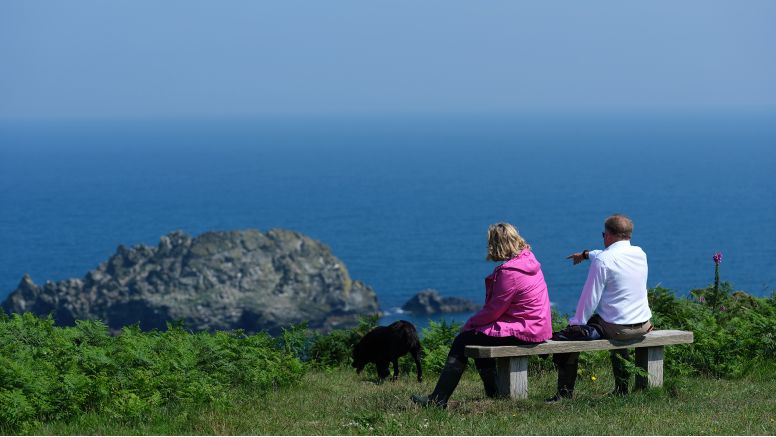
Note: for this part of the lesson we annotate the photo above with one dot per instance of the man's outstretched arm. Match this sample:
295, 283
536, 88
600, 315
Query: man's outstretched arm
581, 256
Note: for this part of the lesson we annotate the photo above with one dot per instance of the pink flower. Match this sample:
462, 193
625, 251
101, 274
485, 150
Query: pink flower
701, 299
722, 308
717, 257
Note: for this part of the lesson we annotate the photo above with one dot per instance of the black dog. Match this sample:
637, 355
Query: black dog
385, 344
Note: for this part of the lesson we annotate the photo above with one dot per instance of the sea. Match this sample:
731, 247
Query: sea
403, 200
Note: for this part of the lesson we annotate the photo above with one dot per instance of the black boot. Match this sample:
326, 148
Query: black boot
567, 365
562, 393
567, 378
448, 381
489, 380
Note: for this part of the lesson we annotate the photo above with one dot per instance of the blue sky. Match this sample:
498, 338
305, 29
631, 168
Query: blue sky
141, 58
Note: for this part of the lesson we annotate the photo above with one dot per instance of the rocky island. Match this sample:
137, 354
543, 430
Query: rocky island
216, 281
429, 301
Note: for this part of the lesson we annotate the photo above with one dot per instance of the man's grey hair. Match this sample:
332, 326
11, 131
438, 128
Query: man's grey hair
619, 225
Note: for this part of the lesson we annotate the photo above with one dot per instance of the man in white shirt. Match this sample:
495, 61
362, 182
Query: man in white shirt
613, 300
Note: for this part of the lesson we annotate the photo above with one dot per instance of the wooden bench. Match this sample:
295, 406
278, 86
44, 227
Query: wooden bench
512, 361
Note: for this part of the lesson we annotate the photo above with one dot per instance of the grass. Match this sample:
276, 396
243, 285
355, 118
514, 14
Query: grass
340, 402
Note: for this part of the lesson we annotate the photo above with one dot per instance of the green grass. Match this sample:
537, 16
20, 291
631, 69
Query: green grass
340, 402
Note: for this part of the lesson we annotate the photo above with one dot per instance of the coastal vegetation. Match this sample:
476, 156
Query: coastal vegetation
82, 380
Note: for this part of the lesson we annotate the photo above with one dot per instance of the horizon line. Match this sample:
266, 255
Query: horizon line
754, 109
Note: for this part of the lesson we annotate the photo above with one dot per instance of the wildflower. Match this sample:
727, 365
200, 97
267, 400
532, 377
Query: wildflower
702, 299
722, 308
593, 378
717, 259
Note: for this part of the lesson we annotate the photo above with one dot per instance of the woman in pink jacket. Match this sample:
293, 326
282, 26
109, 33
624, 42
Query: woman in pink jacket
516, 311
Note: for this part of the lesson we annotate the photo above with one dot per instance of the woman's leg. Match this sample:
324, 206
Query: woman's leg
450, 375
456, 364
486, 367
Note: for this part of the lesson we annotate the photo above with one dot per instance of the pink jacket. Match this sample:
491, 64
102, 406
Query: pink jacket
516, 302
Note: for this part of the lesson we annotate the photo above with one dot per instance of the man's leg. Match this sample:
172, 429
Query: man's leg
567, 365
620, 357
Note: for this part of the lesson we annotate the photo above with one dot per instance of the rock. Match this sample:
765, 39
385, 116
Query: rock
217, 281
431, 302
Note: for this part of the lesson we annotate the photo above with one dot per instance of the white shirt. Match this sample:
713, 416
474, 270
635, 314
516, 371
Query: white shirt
616, 286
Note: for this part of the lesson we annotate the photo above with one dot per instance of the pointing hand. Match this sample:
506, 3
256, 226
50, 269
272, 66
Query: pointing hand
576, 257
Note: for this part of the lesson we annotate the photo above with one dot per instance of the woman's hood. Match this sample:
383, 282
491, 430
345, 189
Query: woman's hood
526, 263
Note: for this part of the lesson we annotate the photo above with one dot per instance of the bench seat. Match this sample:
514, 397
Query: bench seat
512, 361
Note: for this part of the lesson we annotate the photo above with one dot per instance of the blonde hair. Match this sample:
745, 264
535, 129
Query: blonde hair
504, 243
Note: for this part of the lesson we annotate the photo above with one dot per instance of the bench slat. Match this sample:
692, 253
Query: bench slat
654, 338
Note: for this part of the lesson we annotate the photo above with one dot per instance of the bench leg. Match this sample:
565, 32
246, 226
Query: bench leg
513, 377
651, 360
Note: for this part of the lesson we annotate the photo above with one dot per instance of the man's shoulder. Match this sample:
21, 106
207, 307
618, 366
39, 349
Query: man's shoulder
637, 250
614, 252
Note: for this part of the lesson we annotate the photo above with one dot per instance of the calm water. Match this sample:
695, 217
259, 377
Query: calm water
405, 203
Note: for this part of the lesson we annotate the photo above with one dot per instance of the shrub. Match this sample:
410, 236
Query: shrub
50, 373
296, 341
437, 339
335, 349
733, 331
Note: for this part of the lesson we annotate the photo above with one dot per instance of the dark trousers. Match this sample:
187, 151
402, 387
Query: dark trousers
476, 338
456, 364
568, 363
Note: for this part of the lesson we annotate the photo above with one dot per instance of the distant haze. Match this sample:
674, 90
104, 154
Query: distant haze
139, 58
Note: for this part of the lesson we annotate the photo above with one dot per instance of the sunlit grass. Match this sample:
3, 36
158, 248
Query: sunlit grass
340, 402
